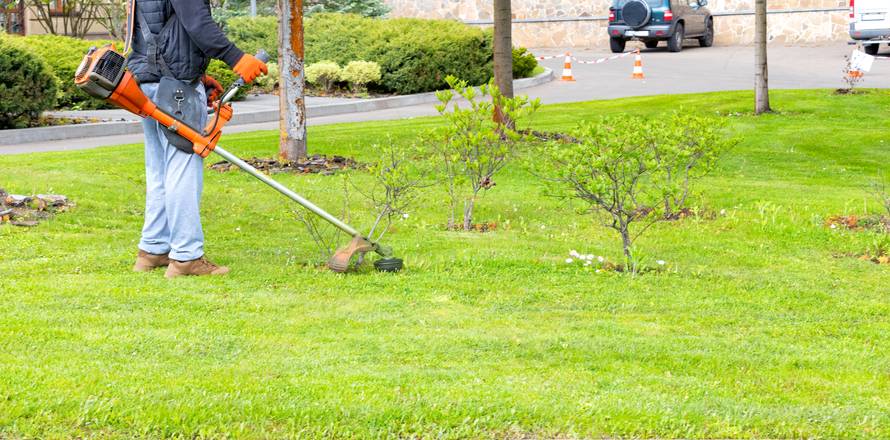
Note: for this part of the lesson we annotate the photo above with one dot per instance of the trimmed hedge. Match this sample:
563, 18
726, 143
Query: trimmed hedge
415, 55
63, 56
27, 87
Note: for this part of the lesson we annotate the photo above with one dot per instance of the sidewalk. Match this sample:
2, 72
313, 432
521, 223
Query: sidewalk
693, 70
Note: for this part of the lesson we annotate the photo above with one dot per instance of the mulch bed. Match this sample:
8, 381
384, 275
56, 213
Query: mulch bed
29, 211
316, 164
873, 222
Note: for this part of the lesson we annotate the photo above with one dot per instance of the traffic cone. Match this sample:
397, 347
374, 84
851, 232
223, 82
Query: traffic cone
567, 69
638, 66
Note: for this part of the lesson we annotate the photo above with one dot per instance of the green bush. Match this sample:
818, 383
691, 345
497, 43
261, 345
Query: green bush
27, 87
361, 73
268, 83
222, 73
323, 73
414, 55
253, 34
63, 55
524, 63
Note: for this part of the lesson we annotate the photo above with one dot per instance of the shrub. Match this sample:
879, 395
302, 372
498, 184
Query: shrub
268, 83
63, 56
475, 148
361, 73
414, 55
253, 34
630, 169
323, 73
27, 88
222, 73
524, 63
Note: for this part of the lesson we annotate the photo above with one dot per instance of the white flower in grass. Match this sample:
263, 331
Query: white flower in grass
405, 216
660, 262
598, 271
722, 212
574, 253
569, 261
600, 259
833, 226
587, 263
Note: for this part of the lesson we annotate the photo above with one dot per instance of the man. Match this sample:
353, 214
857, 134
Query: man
177, 38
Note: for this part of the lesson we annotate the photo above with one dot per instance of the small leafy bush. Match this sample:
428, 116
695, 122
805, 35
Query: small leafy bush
524, 63
360, 73
324, 73
63, 55
475, 147
27, 88
631, 170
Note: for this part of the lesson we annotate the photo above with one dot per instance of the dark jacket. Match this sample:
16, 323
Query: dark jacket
186, 35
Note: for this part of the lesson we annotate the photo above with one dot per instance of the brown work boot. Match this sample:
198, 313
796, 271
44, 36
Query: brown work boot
146, 262
339, 262
201, 266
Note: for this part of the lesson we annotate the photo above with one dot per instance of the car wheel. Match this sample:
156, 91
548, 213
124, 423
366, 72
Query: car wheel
872, 49
708, 39
675, 43
651, 44
617, 44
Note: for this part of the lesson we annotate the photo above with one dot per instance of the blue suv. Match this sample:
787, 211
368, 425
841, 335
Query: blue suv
651, 21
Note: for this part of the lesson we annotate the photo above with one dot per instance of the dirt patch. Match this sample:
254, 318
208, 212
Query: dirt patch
29, 211
317, 164
874, 222
477, 227
844, 91
548, 136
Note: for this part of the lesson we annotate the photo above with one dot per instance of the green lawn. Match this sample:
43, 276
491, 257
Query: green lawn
758, 328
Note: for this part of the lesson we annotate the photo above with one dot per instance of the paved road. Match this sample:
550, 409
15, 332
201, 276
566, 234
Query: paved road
693, 70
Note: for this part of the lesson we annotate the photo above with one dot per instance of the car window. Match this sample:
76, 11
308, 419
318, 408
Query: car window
653, 3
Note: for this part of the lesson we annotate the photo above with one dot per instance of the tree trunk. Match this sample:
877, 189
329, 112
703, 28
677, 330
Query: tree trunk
468, 213
626, 244
761, 83
503, 47
292, 145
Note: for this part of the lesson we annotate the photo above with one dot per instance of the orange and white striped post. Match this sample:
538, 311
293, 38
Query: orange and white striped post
638, 66
567, 69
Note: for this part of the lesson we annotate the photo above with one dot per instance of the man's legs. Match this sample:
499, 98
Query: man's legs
155, 231
174, 182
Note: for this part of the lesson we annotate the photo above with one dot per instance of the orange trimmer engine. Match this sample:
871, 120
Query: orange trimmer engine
102, 74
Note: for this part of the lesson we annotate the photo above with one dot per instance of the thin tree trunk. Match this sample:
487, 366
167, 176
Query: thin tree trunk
291, 99
626, 244
503, 47
468, 213
761, 77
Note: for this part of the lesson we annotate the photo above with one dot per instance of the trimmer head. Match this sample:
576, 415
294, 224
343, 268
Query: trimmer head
359, 245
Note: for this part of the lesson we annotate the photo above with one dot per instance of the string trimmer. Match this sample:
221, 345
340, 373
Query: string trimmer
103, 74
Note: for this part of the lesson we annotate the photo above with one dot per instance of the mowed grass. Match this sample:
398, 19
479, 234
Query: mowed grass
757, 329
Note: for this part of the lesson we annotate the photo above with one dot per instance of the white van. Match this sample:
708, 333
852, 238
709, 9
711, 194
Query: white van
870, 20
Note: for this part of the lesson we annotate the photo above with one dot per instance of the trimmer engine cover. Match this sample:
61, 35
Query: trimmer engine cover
100, 72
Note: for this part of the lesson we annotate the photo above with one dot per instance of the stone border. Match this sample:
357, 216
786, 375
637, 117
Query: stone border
100, 129
605, 17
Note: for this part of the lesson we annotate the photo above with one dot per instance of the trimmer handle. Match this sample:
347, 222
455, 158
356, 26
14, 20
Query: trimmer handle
260, 55
230, 92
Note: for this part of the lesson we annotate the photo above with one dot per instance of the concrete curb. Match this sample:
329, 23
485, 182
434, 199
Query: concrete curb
61, 132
